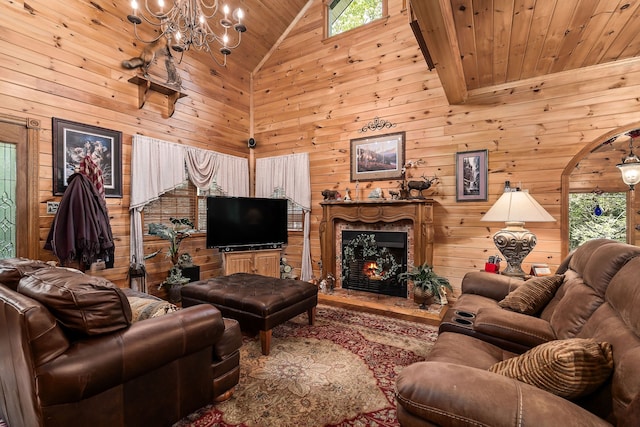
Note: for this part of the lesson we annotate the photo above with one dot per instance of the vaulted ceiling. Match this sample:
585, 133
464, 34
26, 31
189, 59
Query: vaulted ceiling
478, 44
266, 21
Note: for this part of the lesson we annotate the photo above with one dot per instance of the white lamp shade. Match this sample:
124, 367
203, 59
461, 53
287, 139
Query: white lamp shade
517, 206
630, 172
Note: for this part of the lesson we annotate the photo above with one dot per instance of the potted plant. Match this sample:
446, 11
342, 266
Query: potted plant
173, 283
428, 286
180, 229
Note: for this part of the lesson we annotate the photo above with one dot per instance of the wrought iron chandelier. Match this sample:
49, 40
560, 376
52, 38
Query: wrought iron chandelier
186, 24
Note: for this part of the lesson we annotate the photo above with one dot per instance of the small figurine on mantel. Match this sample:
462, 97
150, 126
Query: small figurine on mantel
347, 195
421, 186
376, 193
404, 187
330, 194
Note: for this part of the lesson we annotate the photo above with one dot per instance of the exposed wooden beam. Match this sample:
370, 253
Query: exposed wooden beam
436, 23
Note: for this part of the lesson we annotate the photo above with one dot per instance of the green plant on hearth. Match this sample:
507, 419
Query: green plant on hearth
180, 229
364, 247
424, 278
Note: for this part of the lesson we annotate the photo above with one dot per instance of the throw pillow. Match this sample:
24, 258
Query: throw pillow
85, 304
148, 308
14, 269
569, 368
532, 295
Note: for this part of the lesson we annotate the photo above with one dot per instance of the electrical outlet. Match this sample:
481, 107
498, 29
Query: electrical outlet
52, 207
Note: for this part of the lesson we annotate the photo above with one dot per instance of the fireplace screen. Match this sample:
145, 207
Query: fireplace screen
372, 260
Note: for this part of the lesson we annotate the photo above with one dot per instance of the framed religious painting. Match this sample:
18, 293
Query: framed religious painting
72, 142
471, 176
377, 158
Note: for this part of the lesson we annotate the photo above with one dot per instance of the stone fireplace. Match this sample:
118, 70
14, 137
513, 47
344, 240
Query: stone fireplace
411, 218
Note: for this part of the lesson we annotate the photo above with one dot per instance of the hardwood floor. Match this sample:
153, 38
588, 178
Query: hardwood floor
399, 308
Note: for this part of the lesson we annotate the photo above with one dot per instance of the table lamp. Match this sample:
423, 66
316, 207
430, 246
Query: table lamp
514, 242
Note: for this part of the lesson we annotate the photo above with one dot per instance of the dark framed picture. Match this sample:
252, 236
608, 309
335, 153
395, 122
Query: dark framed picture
471, 176
72, 142
377, 158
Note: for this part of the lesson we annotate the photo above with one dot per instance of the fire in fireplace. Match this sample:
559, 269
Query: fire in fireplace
371, 261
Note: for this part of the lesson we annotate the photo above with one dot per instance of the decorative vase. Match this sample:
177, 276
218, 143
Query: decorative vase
174, 294
422, 297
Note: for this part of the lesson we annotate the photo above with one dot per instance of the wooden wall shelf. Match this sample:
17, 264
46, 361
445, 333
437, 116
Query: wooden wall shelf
145, 85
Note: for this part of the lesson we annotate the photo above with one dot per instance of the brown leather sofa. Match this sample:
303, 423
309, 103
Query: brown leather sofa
70, 354
598, 299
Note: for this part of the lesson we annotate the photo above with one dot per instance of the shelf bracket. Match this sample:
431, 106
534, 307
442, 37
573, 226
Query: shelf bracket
145, 85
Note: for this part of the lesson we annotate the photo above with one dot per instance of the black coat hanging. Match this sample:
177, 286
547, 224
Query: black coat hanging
81, 230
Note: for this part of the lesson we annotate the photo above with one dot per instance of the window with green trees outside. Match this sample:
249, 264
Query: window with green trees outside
597, 215
345, 15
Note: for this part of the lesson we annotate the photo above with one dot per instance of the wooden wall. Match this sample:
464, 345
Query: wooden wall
63, 59
313, 95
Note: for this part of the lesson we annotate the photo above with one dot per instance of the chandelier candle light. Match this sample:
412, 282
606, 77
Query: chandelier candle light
186, 24
515, 242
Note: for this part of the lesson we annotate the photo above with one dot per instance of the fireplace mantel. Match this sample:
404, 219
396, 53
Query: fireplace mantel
419, 211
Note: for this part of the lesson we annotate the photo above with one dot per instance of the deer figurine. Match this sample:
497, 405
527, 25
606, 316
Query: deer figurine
425, 184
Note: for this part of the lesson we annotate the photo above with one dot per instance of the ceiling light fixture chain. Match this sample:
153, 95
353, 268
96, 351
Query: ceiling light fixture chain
189, 24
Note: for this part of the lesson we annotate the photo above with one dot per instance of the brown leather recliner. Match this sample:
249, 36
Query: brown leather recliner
587, 272
69, 354
598, 300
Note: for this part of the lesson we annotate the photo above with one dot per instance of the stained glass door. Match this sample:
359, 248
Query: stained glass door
8, 182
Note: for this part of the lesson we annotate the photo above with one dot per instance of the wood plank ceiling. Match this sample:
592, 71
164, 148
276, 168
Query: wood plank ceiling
266, 21
478, 44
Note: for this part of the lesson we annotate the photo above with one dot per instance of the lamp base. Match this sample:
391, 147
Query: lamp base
514, 243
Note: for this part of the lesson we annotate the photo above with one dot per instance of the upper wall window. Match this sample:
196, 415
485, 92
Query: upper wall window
345, 15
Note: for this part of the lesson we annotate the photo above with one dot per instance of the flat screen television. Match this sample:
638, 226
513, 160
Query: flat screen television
242, 223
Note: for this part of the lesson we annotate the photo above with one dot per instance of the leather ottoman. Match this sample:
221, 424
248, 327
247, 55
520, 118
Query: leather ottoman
258, 303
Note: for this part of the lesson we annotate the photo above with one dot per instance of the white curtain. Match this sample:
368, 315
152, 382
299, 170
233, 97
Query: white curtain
156, 167
291, 173
230, 173
159, 166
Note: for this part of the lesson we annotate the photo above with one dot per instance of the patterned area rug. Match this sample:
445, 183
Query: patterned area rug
340, 372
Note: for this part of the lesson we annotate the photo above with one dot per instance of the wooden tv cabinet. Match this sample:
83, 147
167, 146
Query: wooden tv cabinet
265, 262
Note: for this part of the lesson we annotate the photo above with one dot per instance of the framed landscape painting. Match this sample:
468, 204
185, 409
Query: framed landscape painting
471, 176
72, 142
377, 158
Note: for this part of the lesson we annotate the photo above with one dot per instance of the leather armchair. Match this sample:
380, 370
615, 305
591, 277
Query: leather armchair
70, 356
